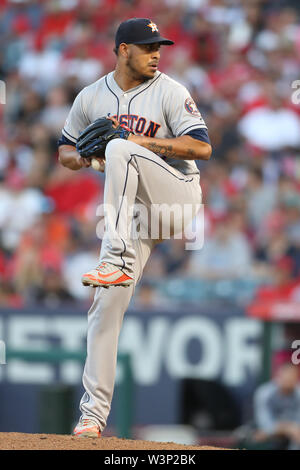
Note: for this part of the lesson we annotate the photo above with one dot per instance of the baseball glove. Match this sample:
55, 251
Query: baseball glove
94, 139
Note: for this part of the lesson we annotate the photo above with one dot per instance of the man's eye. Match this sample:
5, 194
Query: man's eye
151, 48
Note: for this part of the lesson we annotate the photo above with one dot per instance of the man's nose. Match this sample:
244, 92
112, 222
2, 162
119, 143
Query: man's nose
156, 54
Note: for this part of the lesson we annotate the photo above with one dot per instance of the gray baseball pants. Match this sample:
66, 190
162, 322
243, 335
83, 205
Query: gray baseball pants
133, 176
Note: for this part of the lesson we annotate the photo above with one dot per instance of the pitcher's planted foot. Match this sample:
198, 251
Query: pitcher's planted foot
86, 428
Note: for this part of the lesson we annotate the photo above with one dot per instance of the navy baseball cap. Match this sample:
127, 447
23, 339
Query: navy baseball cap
139, 31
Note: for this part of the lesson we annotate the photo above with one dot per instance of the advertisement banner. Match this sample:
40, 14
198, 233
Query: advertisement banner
209, 343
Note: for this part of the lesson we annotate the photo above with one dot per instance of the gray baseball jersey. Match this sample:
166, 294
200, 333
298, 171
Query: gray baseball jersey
160, 107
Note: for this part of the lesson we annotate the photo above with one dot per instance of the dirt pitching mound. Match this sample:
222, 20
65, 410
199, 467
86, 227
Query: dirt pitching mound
19, 441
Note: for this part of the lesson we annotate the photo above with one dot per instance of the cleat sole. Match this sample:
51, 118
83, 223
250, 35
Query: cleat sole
89, 435
94, 285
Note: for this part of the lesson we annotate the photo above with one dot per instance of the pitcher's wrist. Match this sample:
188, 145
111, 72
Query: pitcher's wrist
137, 139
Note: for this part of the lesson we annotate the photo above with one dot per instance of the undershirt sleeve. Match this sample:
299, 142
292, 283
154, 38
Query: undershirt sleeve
64, 141
199, 134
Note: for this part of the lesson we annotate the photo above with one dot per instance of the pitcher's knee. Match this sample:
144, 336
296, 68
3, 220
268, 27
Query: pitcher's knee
116, 147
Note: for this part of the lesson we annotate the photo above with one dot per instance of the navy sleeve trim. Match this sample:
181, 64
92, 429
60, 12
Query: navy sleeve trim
69, 135
64, 141
194, 126
200, 134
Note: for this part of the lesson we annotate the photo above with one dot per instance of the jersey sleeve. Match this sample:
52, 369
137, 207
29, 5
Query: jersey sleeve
182, 113
77, 119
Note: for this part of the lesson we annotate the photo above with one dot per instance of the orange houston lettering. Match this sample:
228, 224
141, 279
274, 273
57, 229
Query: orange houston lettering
123, 119
140, 123
152, 129
140, 126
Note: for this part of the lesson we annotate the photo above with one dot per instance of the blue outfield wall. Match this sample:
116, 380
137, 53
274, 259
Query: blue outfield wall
213, 342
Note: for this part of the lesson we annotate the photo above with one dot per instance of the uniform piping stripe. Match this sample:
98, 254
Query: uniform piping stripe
142, 91
188, 128
64, 130
114, 95
119, 211
123, 253
156, 163
125, 184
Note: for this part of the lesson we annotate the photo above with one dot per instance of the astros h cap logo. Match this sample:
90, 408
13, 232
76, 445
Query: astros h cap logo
139, 31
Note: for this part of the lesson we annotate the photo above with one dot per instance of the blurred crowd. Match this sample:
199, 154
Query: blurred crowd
240, 61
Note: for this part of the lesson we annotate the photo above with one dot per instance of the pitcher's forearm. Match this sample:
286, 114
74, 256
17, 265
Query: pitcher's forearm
70, 158
182, 148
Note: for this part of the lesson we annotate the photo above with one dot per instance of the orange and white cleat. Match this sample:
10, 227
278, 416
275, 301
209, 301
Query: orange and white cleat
106, 275
86, 428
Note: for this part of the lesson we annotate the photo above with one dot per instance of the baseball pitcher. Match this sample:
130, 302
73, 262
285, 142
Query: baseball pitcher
144, 130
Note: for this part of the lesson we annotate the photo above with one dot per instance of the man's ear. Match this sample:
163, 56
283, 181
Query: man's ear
124, 50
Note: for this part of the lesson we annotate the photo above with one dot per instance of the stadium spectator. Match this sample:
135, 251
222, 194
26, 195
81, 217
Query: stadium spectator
261, 198
272, 127
52, 292
277, 410
225, 255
